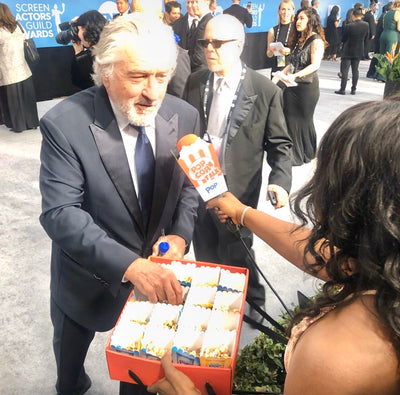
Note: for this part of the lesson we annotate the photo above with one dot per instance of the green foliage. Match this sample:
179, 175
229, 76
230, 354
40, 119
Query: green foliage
388, 66
259, 366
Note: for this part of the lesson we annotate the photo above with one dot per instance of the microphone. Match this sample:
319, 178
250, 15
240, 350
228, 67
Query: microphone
200, 163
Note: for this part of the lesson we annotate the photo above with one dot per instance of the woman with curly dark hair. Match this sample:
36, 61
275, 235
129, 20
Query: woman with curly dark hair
348, 342
307, 43
90, 25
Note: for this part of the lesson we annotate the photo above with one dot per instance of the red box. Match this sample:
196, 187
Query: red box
149, 371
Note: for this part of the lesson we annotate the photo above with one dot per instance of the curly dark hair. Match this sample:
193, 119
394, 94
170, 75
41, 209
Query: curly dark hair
353, 203
313, 26
94, 23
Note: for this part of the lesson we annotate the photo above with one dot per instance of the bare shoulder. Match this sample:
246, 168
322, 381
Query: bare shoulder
348, 351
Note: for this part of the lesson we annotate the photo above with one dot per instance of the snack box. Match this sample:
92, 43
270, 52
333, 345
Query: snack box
150, 370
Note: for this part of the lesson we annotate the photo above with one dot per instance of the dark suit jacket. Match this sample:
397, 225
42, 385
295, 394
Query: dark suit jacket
354, 37
240, 13
177, 83
89, 204
370, 19
257, 125
197, 53
181, 28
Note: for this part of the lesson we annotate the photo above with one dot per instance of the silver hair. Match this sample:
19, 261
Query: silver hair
152, 42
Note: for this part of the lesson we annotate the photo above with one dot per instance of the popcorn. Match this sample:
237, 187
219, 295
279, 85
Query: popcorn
217, 348
206, 276
231, 281
165, 316
201, 296
194, 317
226, 300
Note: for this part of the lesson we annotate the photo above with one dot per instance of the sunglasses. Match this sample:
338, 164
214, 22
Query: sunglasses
216, 44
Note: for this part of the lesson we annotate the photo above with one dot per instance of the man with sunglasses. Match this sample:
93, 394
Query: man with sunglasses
243, 117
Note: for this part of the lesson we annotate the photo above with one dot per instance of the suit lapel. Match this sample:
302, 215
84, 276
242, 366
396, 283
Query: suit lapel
112, 152
244, 104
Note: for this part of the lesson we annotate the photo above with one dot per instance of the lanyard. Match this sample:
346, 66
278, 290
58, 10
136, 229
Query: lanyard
235, 96
287, 34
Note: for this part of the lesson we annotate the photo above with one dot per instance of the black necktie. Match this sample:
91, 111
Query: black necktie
144, 164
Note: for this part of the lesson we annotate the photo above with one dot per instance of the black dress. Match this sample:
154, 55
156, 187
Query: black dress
332, 36
281, 34
19, 111
299, 105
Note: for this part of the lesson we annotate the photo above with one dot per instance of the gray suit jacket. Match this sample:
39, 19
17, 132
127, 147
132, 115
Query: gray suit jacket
257, 125
89, 204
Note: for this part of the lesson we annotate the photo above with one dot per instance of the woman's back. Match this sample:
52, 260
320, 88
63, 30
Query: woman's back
13, 67
348, 351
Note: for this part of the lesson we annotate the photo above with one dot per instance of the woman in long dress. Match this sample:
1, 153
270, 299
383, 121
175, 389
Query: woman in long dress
332, 34
307, 43
391, 29
17, 93
281, 33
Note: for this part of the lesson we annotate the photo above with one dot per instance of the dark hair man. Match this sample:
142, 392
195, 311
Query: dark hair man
90, 25
172, 12
354, 38
241, 13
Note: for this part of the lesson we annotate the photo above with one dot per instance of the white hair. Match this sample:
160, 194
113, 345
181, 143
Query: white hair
152, 42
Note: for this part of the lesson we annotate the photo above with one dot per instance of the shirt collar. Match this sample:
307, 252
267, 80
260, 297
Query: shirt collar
231, 79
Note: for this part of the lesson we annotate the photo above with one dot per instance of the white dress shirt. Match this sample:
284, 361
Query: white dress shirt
129, 137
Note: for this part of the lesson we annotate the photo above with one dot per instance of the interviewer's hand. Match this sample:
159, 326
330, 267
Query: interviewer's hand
176, 249
154, 281
227, 206
175, 382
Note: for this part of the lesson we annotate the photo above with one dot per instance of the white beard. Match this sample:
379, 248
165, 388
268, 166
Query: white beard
129, 111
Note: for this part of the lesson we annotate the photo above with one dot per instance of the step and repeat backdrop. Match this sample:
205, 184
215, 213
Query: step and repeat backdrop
41, 19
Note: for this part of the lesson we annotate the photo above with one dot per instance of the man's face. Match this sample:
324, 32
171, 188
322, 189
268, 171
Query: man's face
221, 60
122, 6
136, 91
192, 7
174, 14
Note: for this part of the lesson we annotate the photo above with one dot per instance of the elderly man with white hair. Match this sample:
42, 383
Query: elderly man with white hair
110, 189
241, 111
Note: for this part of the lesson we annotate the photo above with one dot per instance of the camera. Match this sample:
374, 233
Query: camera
69, 32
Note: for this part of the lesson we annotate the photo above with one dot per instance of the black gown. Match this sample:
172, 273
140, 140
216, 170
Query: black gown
281, 34
299, 104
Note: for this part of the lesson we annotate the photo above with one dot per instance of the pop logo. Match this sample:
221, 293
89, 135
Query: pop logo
204, 170
211, 187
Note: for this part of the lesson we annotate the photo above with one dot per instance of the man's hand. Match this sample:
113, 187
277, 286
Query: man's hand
78, 47
154, 281
281, 195
175, 382
176, 249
